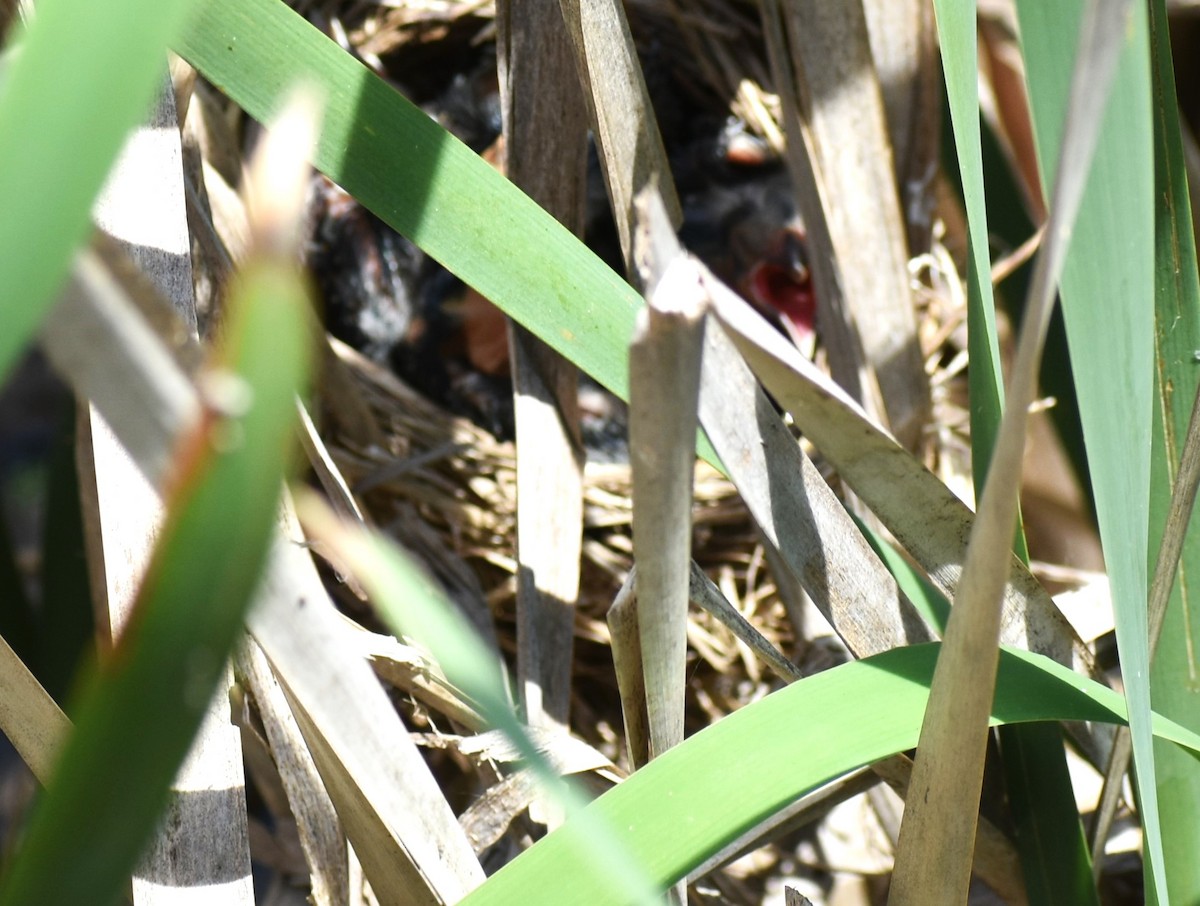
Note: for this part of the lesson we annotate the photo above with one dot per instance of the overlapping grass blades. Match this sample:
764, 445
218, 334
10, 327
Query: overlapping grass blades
1107, 298
1048, 831
136, 717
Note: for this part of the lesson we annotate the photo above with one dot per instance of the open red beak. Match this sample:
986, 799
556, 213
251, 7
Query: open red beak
781, 284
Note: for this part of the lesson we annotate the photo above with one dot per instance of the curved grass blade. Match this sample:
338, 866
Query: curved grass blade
692, 800
136, 720
63, 126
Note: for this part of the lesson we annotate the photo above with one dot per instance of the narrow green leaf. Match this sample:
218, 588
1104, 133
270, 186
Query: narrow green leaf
957, 38
1107, 298
1177, 338
1054, 854
1048, 831
62, 127
136, 719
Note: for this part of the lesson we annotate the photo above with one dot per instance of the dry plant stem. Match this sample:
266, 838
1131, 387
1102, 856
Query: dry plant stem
393, 811
122, 515
1183, 502
933, 857
937, 838
841, 103
704, 593
631, 148
321, 835
789, 499
326, 470
549, 525
90, 337
29, 718
835, 320
627, 651
631, 680
664, 366
545, 131
995, 860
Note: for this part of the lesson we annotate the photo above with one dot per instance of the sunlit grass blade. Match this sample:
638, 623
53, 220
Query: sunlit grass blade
136, 718
704, 793
63, 126
1111, 336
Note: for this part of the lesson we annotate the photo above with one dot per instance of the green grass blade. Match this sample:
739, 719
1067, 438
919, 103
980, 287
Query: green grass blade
957, 37
1050, 839
135, 721
1177, 334
1048, 831
1107, 298
930, 603
86, 73
725, 779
